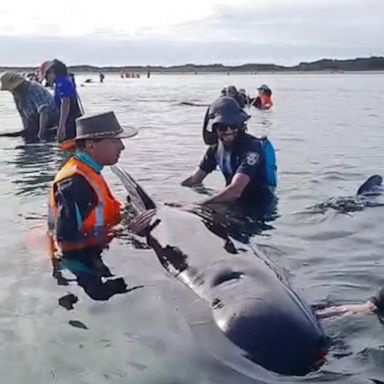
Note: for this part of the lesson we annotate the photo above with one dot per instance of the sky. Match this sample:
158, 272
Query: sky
173, 32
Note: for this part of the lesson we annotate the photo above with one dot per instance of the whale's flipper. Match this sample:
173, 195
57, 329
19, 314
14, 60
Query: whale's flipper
138, 198
370, 184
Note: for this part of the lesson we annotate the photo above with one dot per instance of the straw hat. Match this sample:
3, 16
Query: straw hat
10, 81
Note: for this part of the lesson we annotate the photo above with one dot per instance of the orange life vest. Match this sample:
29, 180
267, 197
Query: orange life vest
266, 101
101, 219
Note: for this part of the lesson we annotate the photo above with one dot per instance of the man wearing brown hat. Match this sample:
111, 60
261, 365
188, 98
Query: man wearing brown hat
34, 103
82, 209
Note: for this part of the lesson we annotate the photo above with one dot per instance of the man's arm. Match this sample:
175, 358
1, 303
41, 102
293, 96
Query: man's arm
373, 305
231, 192
43, 123
64, 112
196, 178
248, 170
207, 165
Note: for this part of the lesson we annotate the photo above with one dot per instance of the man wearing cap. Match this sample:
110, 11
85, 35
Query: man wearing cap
240, 157
34, 103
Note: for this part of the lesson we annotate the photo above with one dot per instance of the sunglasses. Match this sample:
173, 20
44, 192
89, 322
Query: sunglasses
223, 127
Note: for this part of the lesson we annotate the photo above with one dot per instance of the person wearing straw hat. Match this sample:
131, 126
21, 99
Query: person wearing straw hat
82, 209
247, 163
34, 103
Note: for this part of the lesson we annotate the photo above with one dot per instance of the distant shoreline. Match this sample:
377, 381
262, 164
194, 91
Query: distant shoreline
371, 64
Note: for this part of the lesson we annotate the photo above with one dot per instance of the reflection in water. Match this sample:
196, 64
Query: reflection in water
241, 222
35, 166
87, 269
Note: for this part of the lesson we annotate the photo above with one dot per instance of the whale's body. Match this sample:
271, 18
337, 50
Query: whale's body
251, 302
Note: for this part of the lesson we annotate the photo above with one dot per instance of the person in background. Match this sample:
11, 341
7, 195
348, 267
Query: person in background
56, 74
34, 103
232, 92
247, 163
264, 100
101, 77
243, 94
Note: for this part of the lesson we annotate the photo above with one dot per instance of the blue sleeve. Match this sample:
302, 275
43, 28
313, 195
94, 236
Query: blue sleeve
65, 88
208, 162
252, 160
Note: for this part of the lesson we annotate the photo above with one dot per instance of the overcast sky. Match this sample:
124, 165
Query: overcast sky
168, 32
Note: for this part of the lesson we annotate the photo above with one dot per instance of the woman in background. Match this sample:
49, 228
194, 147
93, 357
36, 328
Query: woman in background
56, 74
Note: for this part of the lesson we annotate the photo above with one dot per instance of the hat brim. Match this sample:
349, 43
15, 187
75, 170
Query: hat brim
126, 133
237, 119
13, 86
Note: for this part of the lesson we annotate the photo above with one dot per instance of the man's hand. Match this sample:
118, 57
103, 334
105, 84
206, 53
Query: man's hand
142, 222
366, 308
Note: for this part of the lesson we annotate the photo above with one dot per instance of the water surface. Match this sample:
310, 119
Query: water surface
328, 132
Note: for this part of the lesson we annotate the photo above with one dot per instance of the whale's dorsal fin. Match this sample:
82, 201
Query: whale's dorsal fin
370, 184
138, 198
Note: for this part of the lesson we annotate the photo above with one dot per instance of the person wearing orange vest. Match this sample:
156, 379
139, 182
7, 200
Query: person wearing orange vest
263, 101
82, 209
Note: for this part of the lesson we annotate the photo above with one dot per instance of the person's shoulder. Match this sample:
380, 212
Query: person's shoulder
73, 182
212, 148
249, 141
64, 81
38, 88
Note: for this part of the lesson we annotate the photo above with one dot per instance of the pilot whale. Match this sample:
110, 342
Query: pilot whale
251, 302
364, 197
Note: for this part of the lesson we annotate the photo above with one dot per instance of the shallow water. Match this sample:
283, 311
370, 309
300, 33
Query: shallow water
328, 131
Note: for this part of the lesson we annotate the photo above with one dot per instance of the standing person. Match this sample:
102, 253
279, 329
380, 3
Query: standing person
56, 74
34, 103
101, 77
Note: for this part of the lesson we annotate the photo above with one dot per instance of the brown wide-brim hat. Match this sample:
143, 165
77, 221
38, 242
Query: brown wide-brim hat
102, 126
10, 81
